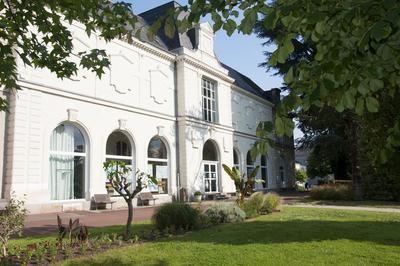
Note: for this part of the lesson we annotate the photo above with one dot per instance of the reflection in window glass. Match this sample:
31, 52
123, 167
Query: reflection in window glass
158, 166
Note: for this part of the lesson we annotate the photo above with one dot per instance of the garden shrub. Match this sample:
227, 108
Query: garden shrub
225, 213
272, 202
250, 209
332, 192
258, 203
11, 223
177, 216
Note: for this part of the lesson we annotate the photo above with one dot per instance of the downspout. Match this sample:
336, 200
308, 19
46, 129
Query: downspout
178, 183
6, 94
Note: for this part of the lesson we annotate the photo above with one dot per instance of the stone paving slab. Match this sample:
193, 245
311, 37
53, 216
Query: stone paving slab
40, 224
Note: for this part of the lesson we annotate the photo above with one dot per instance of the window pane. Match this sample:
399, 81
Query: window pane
67, 138
160, 171
263, 160
157, 149
213, 169
67, 177
235, 157
118, 144
209, 151
249, 160
213, 185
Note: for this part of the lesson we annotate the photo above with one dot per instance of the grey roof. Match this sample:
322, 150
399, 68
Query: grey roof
187, 40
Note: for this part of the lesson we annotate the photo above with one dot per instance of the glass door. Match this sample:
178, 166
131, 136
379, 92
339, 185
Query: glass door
210, 177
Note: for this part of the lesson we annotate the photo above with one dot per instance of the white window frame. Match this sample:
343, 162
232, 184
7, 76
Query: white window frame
149, 159
123, 158
81, 154
252, 166
209, 113
216, 164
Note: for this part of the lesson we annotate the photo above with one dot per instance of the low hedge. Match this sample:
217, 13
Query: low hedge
332, 192
176, 216
225, 213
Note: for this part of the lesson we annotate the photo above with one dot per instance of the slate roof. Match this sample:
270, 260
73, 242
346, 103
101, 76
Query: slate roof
187, 40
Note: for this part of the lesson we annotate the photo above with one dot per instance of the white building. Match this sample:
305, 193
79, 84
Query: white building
167, 106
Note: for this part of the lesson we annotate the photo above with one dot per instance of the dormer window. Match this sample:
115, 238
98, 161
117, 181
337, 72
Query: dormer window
209, 100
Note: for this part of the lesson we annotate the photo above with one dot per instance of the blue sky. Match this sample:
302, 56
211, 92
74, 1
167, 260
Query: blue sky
242, 52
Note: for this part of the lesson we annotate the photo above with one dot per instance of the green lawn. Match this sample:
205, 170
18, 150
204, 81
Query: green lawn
364, 203
295, 236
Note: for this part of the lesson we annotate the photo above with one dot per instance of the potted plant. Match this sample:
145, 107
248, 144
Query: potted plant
110, 189
197, 196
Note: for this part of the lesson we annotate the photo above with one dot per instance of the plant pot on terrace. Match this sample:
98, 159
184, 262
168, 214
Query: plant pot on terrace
197, 196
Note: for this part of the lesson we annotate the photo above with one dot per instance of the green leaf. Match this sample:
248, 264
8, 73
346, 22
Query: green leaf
230, 27
360, 106
380, 30
289, 76
363, 88
376, 84
372, 104
169, 28
319, 27
348, 100
340, 106
285, 50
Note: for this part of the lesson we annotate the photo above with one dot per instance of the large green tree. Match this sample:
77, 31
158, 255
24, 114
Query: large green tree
357, 57
37, 33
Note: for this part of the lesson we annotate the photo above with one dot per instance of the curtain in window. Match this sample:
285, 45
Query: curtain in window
62, 165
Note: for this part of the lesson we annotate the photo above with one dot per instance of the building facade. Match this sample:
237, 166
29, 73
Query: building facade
167, 107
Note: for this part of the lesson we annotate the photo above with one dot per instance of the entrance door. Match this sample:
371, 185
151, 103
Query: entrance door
210, 177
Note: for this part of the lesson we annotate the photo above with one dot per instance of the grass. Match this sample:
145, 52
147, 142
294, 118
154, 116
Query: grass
93, 232
355, 203
294, 236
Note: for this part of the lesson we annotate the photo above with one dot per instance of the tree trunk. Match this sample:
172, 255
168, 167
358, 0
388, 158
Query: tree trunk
353, 134
3, 250
128, 230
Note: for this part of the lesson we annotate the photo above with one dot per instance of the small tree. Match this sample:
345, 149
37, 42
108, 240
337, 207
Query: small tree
118, 174
301, 175
11, 223
243, 185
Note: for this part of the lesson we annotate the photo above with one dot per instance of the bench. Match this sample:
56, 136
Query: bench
146, 197
102, 199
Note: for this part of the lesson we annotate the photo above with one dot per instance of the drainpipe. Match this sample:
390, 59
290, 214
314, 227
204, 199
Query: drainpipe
178, 183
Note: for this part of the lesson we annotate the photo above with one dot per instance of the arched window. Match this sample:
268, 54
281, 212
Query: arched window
119, 148
249, 163
158, 165
210, 167
67, 163
264, 172
236, 160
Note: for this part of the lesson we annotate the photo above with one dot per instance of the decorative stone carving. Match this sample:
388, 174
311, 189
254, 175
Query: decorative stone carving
158, 85
72, 115
122, 124
211, 132
225, 144
194, 140
160, 131
120, 77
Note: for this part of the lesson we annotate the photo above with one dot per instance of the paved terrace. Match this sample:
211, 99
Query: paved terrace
40, 224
